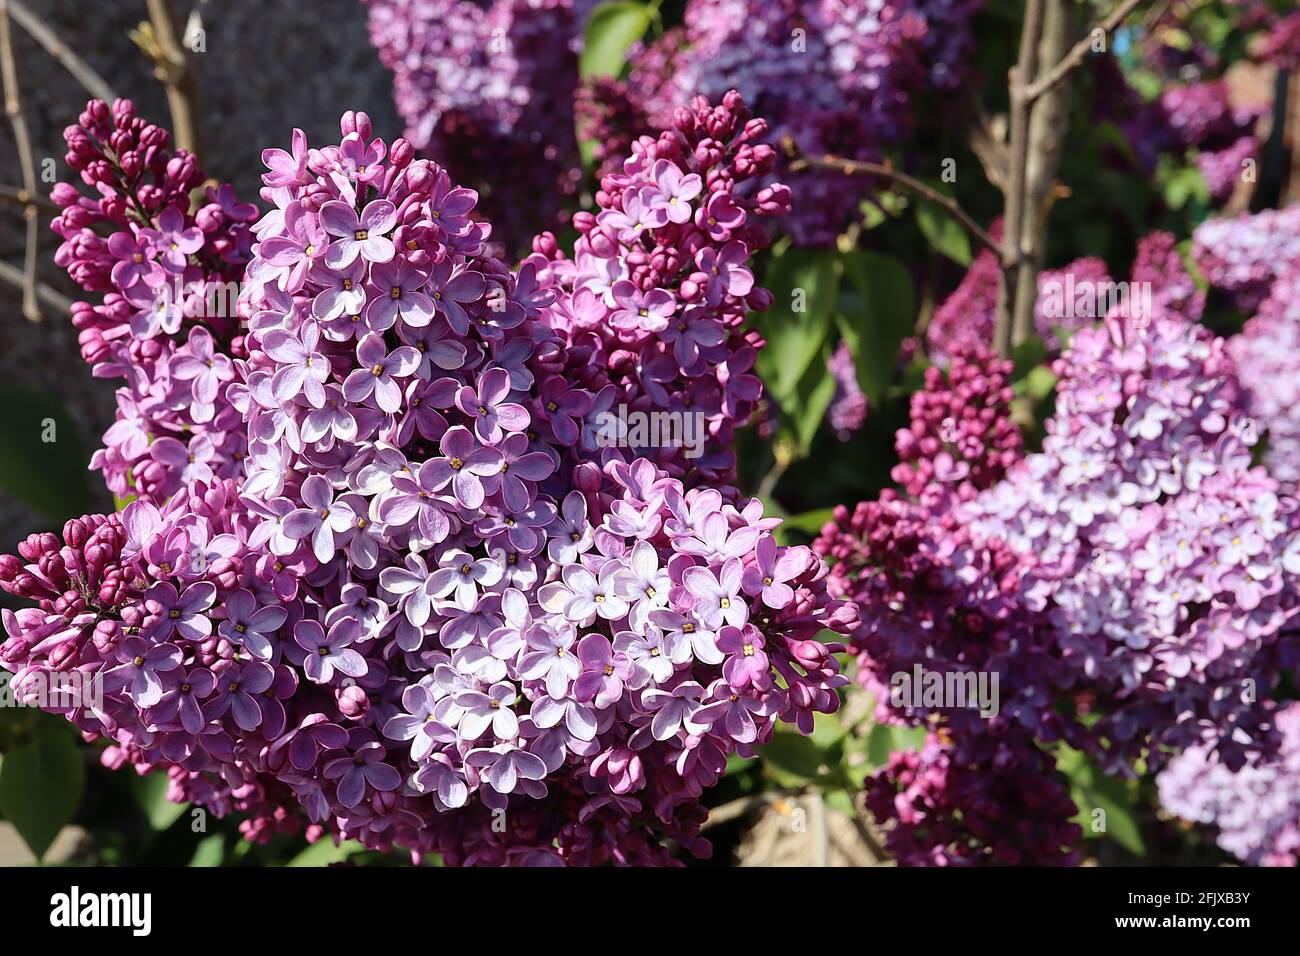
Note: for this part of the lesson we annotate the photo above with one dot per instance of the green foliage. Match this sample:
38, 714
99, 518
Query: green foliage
944, 233
611, 29
1093, 790
876, 312
804, 283
42, 458
41, 784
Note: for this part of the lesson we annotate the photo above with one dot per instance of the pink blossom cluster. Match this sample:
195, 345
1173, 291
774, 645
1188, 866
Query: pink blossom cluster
1069, 299
1202, 117
1242, 255
651, 306
1132, 586
168, 322
1255, 812
848, 409
434, 602
961, 439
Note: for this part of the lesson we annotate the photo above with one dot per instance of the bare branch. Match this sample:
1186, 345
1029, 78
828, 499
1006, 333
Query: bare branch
855, 167
1048, 125
23, 140
52, 299
175, 68
18, 196
44, 34
1079, 52
1021, 77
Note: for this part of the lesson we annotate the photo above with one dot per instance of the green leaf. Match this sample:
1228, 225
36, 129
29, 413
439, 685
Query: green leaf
811, 400
804, 284
876, 313
1092, 790
41, 783
42, 459
323, 852
944, 233
810, 522
792, 760
210, 851
841, 801
151, 798
737, 764
1027, 356
611, 29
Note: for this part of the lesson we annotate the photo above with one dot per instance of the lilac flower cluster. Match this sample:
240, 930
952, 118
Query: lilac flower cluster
999, 804
1138, 570
490, 87
1193, 122
168, 322
961, 439
848, 409
1267, 352
934, 595
650, 308
1243, 255
1254, 811
965, 319
1165, 561
1201, 117
433, 602
837, 76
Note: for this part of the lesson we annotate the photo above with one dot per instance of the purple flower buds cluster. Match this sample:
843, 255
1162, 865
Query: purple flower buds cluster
436, 610
1138, 571
1201, 116
168, 323
1000, 804
961, 439
490, 87
650, 308
848, 410
1255, 812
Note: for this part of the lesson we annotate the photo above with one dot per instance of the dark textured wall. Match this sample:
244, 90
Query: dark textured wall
270, 65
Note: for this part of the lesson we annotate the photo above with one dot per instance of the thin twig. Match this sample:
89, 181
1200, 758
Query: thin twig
23, 140
856, 167
1048, 124
1079, 52
44, 34
18, 196
1021, 105
175, 68
51, 299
